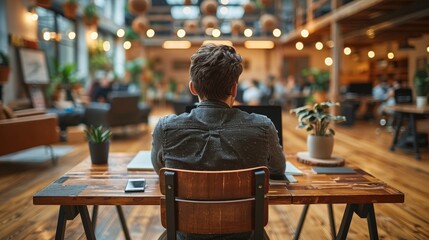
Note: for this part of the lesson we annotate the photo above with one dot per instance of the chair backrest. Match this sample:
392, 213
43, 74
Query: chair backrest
124, 109
403, 95
214, 202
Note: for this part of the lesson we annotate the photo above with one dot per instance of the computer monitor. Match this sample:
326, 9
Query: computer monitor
360, 89
273, 112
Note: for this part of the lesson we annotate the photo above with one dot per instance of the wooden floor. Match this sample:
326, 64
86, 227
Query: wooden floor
364, 146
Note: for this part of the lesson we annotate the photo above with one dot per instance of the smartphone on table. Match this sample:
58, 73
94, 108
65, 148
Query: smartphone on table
135, 185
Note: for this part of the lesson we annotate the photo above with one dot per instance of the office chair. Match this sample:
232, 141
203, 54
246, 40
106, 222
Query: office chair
400, 96
214, 202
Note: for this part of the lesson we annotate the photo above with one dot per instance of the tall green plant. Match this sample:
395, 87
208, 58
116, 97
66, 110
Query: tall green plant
135, 67
316, 119
421, 82
97, 134
4, 59
320, 81
90, 11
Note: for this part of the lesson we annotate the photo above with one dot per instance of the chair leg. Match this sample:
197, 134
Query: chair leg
53, 157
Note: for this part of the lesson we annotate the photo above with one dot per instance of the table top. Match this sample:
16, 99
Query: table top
408, 108
88, 184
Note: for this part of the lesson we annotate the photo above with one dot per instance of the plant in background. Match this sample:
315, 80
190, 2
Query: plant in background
4, 59
130, 35
90, 14
421, 82
316, 119
319, 79
135, 67
97, 134
4, 68
70, 8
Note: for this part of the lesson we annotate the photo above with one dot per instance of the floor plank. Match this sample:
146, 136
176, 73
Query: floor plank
364, 145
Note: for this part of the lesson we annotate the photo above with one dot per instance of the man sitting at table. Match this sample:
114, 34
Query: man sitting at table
215, 136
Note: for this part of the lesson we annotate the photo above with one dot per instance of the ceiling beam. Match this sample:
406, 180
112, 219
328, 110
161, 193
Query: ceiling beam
322, 22
416, 11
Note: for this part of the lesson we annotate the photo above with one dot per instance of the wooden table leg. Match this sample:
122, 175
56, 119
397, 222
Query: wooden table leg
345, 223
399, 120
301, 222
332, 221
123, 222
413, 130
363, 211
94, 216
65, 213
86, 222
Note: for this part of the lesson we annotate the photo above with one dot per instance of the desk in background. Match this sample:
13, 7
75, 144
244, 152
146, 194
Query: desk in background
88, 184
412, 112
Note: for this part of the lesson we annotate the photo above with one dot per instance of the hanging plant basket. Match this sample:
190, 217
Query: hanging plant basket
268, 22
209, 7
191, 26
90, 15
90, 21
265, 3
210, 22
44, 3
137, 7
70, 9
237, 26
249, 7
140, 24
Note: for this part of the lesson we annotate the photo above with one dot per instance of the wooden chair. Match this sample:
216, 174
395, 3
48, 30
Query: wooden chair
214, 202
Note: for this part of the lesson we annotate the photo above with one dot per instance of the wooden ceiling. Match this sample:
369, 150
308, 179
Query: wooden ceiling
368, 22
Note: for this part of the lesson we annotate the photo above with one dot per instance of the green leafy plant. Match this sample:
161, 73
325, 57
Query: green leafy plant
97, 134
90, 11
73, 2
319, 79
131, 35
4, 59
316, 119
135, 67
421, 82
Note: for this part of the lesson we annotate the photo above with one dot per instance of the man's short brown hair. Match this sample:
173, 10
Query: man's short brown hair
214, 70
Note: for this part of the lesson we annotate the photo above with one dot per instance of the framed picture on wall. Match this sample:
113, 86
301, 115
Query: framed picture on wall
34, 67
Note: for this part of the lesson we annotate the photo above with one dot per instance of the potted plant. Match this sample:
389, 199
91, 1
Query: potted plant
421, 83
98, 141
319, 82
4, 67
315, 120
90, 15
63, 80
70, 8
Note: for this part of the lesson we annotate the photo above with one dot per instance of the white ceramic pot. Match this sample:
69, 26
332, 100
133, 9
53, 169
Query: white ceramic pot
421, 101
320, 146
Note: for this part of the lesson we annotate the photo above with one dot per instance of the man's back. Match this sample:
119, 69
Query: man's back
216, 137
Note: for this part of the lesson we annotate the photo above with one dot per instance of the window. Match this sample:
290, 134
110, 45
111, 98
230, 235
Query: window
57, 37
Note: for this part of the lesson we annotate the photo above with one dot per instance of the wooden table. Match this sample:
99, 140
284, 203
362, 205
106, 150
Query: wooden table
411, 111
88, 184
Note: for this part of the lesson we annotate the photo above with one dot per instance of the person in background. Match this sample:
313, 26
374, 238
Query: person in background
215, 136
380, 90
252, 95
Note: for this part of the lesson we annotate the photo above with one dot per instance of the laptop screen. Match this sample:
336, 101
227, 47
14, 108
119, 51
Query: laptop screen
272, 112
